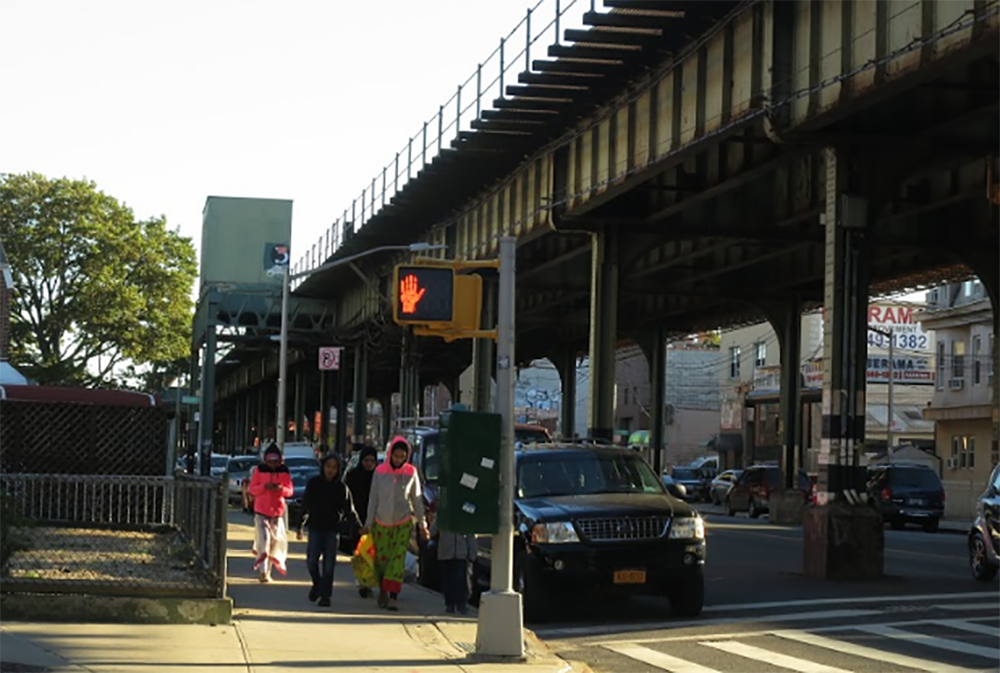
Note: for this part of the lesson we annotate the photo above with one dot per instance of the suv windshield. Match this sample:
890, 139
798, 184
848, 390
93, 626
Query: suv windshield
923, 479
220, 461
686, 473
241, 464
429, 443
559, 473
301, 462
531, 435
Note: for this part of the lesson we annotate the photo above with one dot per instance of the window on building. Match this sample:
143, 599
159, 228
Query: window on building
963, 451
625, 393
977, 364
940, 366
760, 357
958, 359
971, 288
991, 359
734, 362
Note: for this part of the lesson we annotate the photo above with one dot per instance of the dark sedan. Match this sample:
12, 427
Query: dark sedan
598, 517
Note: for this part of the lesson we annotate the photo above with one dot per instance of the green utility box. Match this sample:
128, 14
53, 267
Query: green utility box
469, 480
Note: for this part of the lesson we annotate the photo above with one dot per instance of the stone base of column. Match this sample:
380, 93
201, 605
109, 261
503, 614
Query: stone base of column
842, 541
786, 507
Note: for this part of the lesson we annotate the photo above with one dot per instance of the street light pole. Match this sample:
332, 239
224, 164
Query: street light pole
287, 278
501, 630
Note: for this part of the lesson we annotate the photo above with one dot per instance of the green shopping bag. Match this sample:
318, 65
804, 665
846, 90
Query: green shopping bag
363, 562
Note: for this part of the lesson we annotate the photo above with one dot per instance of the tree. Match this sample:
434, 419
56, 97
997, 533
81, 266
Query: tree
94, 288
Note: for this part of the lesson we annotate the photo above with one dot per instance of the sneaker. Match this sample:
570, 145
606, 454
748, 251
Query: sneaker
264, 579
364, 592
383, 599
393, 606
324, 602
463, 609
313, 594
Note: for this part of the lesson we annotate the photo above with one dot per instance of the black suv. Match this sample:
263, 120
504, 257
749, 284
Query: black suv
984, 537
598, 517
907, 493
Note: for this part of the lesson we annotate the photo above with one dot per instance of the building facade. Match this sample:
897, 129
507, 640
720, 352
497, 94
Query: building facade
963, 407
750, 373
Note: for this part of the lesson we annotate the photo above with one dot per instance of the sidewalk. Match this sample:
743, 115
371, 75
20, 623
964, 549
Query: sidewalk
952, 526
274, 629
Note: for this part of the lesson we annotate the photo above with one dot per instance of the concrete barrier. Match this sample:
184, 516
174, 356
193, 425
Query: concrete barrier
115, 609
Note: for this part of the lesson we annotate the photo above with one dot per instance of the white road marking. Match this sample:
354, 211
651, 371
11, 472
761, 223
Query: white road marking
841, 601
866, 652
931, 641
971, 606
661, 659
773, 658
963, 625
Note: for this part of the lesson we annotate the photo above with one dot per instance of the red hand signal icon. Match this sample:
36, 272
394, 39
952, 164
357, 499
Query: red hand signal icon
410, 293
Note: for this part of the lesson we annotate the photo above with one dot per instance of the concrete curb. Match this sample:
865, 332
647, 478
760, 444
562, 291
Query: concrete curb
115, 609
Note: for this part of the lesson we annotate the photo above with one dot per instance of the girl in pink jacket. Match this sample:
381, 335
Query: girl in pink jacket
270, 485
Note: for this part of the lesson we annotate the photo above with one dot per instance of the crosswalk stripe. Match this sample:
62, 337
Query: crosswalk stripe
962, 625
968, 606
660, 659
866, 652
773, 658
931, 641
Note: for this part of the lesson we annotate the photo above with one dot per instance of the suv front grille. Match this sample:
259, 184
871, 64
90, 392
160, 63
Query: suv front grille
623, 528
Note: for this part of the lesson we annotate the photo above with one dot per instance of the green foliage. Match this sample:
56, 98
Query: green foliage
94, 286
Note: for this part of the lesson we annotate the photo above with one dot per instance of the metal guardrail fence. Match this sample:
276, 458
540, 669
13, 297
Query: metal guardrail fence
539, 28
116, 535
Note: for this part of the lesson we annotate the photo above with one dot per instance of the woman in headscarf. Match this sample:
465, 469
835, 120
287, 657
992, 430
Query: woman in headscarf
396, 501
359, 481
270, 485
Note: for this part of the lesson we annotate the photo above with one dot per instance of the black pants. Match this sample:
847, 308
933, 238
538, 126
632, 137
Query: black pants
455, 582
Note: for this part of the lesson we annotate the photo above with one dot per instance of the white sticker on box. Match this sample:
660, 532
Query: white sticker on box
488, 463
468, 480
469, 508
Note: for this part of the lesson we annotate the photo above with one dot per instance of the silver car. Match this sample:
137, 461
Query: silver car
719, 488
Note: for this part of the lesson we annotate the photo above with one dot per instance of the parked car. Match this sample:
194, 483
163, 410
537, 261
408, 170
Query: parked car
694, 482
598, 517
719, 487
300, 477
751, 493
907, 493
239, 471
984, 536
526, 433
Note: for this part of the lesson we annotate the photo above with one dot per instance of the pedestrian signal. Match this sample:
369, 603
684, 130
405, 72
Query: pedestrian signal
424, 295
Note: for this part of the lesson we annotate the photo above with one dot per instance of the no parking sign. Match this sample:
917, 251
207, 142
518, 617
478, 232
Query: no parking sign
329, 358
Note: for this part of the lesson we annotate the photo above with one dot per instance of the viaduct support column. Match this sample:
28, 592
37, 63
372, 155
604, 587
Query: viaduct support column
566, 365
299, 409
360, 395
603, 333
206, 428
787, 504
484, 353
340, 441
654, 346
843, 536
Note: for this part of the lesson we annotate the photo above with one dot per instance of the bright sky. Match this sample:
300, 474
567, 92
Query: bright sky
164, 103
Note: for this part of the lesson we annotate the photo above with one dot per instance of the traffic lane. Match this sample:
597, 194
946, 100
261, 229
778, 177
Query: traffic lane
742, 553
751, 562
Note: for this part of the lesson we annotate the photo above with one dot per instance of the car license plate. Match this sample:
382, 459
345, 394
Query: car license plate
916, 502
630, 577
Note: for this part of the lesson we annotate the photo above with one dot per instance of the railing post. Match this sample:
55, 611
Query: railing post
221, 502
527, 41
458, 111
423, 151
354, 224
372, 213
558, 16
385, 169
479, 89
440, 126
503, 66
364, 193
395, 178
409, 158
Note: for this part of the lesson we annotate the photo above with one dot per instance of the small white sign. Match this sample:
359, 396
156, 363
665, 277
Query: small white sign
488, 463
329, 358
503, 362
468, 480
469, 508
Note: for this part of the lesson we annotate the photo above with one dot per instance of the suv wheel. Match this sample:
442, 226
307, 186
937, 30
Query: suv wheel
981, 568
688, 597
753, 512
534, 596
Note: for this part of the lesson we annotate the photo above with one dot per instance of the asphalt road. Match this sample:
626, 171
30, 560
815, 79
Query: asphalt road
926, 613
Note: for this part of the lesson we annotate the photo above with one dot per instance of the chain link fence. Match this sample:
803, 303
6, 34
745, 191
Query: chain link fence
114, 535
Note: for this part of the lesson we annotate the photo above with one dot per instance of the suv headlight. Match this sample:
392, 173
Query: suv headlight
688, 528
562, 531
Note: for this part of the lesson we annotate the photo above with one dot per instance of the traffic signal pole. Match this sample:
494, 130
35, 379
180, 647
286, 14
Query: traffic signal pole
500, 628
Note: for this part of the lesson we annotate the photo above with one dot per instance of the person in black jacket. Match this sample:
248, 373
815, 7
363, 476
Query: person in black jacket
359, 481
327, 509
